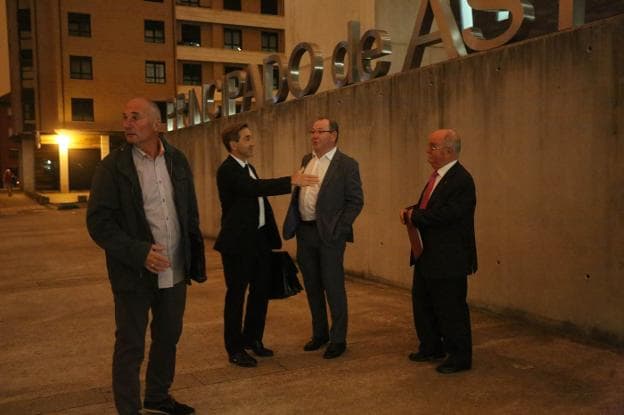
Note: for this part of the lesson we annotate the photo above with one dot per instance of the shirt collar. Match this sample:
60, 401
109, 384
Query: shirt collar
444, 169
161, 150
239, 161
329, 155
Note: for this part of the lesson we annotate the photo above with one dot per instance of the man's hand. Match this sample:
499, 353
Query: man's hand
156, 261
303, 180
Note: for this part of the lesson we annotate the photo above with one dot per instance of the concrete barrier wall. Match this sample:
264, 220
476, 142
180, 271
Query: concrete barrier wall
542, 124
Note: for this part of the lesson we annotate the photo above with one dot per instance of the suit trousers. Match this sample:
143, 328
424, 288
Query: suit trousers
441, 316
246, 269
323, 276
131, 318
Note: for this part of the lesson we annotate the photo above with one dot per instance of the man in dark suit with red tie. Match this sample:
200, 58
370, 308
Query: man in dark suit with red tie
444, 216
248, 233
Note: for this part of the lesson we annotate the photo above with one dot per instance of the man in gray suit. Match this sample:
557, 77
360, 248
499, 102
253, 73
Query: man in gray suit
321, 216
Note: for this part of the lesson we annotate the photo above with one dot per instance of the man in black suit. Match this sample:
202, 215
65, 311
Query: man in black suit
322, 217
444, 215
248, 233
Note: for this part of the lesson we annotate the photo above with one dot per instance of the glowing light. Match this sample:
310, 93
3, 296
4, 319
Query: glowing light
63, 141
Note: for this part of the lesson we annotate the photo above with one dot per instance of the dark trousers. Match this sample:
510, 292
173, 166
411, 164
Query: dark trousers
441, 316
131, 317
323, 276
242, 270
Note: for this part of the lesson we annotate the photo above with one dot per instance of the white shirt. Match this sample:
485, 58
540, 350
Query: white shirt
160, 211
261, 216
441, 172
308, 195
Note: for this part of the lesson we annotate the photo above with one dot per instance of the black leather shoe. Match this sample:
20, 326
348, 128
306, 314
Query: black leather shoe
259, 349
334, 350
426, 357
449, 367
314, 344
242, 359
168, 406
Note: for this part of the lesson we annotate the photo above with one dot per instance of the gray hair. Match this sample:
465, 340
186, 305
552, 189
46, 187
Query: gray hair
452, 140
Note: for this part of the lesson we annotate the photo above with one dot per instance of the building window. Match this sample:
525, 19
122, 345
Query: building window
28, 104
232, 39
80, 67
26, 64
269, 42
232, 4
23, 23
191, 73
154, 72
268, 7
82, 109
194, 3
190, 34
79, 24
155, 1
154, 31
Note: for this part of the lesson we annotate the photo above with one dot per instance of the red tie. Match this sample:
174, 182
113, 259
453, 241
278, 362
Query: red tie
428, 190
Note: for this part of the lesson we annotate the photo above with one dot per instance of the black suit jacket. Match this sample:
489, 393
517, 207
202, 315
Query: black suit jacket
447, 227
340, 201
239, 194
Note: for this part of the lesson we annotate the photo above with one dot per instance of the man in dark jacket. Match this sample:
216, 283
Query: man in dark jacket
143, 213
444, 215
248, 233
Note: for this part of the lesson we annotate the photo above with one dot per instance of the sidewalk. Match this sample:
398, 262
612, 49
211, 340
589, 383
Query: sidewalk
56, 341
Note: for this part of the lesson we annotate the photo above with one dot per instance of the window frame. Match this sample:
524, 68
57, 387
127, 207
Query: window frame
191, 79
232, 45
83, 73
155, 78
83, 22
153, 36
269, 35
82, 104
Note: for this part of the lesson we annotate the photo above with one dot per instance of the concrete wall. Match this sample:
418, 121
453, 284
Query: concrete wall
543, 131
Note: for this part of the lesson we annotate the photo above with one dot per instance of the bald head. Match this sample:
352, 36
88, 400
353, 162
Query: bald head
444, 147
150, 109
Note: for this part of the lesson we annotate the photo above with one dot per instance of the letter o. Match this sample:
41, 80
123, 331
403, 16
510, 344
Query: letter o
316, 70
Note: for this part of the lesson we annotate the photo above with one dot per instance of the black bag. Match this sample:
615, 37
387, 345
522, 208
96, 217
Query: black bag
284, 281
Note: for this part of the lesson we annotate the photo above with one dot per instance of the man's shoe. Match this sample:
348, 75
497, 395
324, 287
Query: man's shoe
168, 407
242, 359
450, 366
259, 349
314, 344
426, 357
334, 350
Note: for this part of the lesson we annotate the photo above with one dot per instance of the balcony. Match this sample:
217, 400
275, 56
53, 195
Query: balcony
227, 17
202, 54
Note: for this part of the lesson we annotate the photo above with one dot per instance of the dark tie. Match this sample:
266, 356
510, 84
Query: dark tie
428, 190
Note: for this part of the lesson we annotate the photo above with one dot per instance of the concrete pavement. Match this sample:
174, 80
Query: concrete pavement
56, 337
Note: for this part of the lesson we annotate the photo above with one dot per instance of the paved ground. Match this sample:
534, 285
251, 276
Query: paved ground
56, 336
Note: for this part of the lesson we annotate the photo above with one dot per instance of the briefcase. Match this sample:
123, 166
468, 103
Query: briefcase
284, 281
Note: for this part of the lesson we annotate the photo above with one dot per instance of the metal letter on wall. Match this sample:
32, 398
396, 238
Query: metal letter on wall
209, 109
347, 74
382, 39
194, 112
316, 69
571, 13
171, 114
180, 109
521, 11
448, 33
267, 74
233, 87
253, 88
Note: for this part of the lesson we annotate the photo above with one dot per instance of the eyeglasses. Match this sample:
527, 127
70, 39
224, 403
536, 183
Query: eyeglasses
434, 147
321, 131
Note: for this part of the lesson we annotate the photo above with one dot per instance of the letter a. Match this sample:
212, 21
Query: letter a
448, 33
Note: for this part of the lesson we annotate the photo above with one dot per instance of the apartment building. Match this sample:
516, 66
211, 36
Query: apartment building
74, 63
